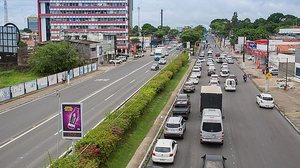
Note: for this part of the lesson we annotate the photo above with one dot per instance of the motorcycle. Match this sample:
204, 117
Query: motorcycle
245, 78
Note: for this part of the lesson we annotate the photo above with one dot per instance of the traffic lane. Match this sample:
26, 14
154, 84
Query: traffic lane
19, 154
266, 133
35, 112
190, 150
35, 154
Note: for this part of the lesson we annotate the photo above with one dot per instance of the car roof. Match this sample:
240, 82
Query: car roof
174, 120
188, 82
213, 157
265, 95
211, 114
164, 142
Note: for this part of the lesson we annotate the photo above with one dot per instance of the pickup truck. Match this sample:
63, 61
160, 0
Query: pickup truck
182, 106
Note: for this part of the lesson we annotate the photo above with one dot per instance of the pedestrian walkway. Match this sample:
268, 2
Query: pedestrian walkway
287, 101
52, 89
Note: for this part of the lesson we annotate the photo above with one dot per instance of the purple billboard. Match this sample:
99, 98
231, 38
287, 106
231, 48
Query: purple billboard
71, 120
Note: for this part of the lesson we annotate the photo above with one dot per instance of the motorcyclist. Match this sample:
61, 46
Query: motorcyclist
245, 77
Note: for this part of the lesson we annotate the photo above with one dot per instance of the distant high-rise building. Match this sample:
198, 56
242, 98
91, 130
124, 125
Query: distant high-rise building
32, 23
111, 17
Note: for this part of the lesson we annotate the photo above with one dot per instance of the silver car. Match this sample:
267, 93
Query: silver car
175, 127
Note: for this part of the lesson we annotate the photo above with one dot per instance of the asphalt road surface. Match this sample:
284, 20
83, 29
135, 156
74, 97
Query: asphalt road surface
254, 137
31, 131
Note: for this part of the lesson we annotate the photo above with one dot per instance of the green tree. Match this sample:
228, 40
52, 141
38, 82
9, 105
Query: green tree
26, 30
53, 58
135, 40
173, 33
276, 17
134, 31
259, 22
148, 29
190, 35
234, 21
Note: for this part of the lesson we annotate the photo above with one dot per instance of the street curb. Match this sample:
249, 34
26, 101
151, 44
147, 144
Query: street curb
276, 106
141, 163
289, 121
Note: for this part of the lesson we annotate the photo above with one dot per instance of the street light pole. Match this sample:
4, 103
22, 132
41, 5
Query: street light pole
286, 73
267, 67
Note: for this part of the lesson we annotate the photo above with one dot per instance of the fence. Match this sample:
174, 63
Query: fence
41, 83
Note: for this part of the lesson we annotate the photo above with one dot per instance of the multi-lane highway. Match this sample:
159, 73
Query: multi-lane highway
254, 137
30, 132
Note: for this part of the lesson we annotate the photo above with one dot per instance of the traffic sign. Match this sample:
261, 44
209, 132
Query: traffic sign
268, 75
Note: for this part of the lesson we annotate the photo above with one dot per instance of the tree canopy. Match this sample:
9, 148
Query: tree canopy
52, 58
260, 28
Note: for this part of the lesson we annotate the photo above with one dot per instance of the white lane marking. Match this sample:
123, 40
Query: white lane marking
101, 80
132, 81
113, 83
147, 71
109, 97
57, 132
34, 127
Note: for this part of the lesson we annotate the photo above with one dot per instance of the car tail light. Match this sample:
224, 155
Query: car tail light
222, 135
171, 154
153, 154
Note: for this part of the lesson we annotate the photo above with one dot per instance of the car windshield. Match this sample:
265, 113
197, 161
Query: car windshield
268, 98
173, 125
188, 84
211, 127
213, 164
162, 149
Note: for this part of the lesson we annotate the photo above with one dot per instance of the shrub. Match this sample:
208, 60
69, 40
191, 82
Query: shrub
103, 140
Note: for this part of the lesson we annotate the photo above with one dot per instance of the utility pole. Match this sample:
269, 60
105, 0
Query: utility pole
161, 17
286, 73
5, 12
139, 21
267, 68
244, 51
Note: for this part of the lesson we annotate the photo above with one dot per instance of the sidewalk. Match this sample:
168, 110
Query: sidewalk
6, 105
288, 102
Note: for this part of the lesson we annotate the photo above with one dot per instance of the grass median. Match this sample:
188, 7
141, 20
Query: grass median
122, 156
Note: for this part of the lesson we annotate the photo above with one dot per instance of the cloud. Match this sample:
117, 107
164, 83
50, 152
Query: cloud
194, 12
177, 13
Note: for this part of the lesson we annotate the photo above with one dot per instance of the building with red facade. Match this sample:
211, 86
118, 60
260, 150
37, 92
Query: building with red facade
110, 17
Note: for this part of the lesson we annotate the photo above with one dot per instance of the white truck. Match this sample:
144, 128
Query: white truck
160, 52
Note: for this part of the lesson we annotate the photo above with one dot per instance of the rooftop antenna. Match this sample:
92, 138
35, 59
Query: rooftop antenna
5, 12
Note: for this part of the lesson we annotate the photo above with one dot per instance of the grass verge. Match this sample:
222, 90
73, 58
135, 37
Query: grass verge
12, 77
121, 157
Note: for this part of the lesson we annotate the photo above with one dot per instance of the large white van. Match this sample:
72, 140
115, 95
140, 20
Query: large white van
230, 85
211, 130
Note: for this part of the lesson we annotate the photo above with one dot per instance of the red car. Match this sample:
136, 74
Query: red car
217, 54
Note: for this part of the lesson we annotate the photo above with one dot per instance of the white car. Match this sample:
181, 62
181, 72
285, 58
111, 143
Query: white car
116, 61
152, 54
230, 60
162, 61
224, 73
214, 82
216, 77
197, 70
265, 100
209, 62
194, 79
224, 66
164, 151
230, 85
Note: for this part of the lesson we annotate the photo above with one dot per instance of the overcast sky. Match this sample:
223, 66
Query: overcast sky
177, 13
